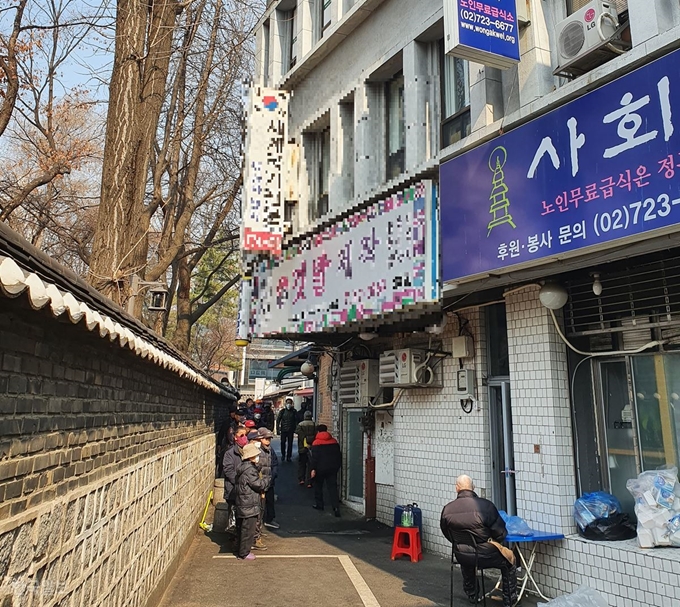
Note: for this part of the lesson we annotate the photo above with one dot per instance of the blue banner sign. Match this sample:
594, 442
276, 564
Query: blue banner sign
484, 31
603, 167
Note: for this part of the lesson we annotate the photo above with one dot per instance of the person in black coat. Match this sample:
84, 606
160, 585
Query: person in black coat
476, 515
268, 416
230, 465
285, 426
325, 461
250, 485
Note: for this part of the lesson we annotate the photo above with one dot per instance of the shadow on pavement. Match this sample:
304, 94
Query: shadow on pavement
305, 531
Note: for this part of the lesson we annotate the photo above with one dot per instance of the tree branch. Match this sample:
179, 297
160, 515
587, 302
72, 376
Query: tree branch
204, 307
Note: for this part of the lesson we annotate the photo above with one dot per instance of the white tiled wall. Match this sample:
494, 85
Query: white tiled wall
435, 441
385, 504
541, 417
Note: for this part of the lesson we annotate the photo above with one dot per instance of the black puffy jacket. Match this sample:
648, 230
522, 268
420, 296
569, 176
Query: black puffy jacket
269, 463
230, 465
249, 486
287, 420
469, 512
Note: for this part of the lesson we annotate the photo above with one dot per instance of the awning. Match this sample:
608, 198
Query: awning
304, 392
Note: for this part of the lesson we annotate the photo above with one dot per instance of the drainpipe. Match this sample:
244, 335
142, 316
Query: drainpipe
371, 492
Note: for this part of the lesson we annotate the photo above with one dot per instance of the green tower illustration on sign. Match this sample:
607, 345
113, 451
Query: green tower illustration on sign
500, 203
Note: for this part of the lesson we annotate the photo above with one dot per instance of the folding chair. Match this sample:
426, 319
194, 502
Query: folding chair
467, 538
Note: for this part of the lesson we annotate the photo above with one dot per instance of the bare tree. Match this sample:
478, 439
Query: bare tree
143, 49
9, 76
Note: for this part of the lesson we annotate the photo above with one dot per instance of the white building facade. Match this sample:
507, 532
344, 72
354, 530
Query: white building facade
403, 222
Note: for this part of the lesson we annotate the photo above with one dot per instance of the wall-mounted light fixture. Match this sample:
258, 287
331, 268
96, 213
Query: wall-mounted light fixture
368, 335
553, 295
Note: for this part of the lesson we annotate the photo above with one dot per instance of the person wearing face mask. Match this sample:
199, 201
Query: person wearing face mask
250, 485
286, 423
230, 465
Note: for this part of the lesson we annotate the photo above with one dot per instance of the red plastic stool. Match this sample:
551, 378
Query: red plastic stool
407, 541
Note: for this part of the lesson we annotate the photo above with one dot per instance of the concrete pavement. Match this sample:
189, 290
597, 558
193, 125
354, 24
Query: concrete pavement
313, 559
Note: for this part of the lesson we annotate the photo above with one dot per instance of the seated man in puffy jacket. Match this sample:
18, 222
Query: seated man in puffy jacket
250, 486
480, 517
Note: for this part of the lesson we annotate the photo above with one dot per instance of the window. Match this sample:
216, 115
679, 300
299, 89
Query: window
318, 154
323, 16
639, 417
288, 29
395, 123
260, 368
265, 53
455, 98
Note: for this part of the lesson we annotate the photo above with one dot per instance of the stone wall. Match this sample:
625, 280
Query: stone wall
106, 461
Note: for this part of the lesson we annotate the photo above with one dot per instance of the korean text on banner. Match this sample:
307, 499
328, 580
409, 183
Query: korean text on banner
262, 221
604, 167
378, 261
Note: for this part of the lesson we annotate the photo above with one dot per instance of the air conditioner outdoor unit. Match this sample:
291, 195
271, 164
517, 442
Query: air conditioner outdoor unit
358, 383
409, 368
588, 38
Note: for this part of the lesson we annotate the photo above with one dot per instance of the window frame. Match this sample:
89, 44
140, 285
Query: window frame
460, 120
395, 162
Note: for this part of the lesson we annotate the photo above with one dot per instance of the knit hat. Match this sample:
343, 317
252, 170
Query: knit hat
264, 433
250, 450
308, 415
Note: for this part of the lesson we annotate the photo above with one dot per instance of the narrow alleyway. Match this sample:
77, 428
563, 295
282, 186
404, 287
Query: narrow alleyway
313, 559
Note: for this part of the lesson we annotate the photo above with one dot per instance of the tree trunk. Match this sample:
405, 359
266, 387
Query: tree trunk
182, 336
144, 39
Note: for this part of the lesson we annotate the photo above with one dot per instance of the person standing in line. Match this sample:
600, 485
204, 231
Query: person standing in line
250, 485
306, 431
325, 463
269, 463
478, 516
230, 465
286, 423
268, 416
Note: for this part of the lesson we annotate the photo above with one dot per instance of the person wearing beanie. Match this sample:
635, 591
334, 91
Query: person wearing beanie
269, 466
285, 424
250, 485
325, 463
306, 431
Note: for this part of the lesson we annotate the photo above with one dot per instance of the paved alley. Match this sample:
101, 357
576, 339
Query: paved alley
313, 559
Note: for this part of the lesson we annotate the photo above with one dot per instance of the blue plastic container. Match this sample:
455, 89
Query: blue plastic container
417, 517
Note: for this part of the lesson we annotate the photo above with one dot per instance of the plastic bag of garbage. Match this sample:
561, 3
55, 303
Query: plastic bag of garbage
583, 597
593, 506
516, 525
657, 507
614, 528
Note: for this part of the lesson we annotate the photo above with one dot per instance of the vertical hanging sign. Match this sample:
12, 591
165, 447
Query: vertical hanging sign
483, 31
267, 126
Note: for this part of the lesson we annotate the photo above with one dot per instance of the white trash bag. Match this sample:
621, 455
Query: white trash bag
583, 597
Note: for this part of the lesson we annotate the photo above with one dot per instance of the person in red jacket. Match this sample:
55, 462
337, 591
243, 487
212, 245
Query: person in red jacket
325, 461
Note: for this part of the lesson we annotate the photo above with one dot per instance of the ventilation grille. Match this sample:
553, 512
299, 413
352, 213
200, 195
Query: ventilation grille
640, 297
572, 38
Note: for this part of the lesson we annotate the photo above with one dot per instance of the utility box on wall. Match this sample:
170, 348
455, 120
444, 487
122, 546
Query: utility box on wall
384, 448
